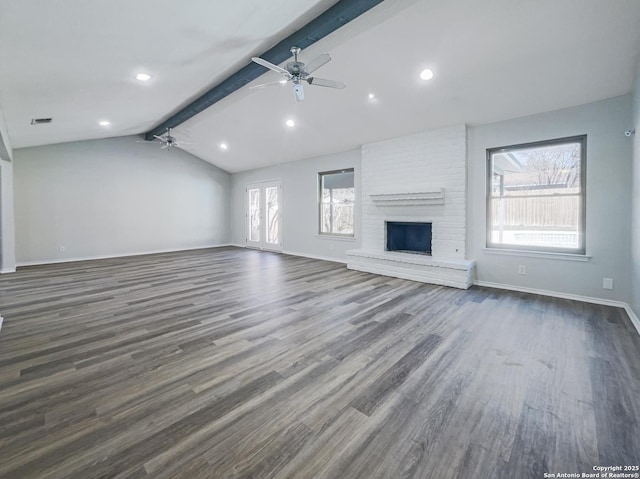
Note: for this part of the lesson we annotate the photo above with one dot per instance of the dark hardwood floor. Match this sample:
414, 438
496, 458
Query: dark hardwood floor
232, 363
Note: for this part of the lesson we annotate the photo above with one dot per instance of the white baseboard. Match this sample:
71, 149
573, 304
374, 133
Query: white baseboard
7, 270
633, 317
555, 294
297, 253
313, 256
120, 255
574, 297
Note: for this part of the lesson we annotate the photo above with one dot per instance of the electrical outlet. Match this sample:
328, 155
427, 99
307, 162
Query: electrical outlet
522, 269
607, 283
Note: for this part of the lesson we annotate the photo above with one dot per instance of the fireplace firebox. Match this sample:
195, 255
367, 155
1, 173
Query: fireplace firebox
408, 237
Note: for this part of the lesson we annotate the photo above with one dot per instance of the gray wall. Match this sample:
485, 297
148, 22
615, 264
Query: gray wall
635, 220
608, 201
115, 197
299, 204
7, 226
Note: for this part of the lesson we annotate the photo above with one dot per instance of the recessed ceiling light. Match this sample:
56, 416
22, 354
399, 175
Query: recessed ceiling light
372, 96
104, 123
283, 81
290, 123
143, 77
224, 146
426, 74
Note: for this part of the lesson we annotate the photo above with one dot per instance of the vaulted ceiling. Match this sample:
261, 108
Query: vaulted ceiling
76, 61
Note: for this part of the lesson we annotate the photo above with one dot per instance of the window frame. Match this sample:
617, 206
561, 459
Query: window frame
582, 218
320, 203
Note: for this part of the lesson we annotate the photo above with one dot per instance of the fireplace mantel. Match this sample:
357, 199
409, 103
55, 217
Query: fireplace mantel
422, 198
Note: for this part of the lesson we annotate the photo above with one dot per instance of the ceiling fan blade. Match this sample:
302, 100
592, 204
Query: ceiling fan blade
316, 63
324, 82
159, 138
262, 85
269, 65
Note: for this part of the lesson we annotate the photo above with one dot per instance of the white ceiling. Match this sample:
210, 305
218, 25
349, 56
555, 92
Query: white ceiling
493, 60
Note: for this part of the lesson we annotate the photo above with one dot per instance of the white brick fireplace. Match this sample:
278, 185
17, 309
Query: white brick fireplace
416, 178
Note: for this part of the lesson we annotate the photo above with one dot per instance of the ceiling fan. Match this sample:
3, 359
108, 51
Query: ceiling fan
297, 72
168, 141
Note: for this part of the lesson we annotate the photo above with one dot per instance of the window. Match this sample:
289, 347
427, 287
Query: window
336, 199
536, 196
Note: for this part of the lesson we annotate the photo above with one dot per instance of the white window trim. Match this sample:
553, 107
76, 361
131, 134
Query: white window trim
543, 252
335, 236
329, 236
538, 254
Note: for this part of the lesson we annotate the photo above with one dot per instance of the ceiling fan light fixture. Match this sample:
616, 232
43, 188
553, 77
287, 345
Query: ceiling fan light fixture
426, 74
298, 91
297, 72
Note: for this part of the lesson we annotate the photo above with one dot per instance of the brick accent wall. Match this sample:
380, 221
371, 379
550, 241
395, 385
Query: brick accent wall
421, 162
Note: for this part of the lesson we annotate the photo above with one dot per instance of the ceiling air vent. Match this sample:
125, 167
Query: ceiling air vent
40, 121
